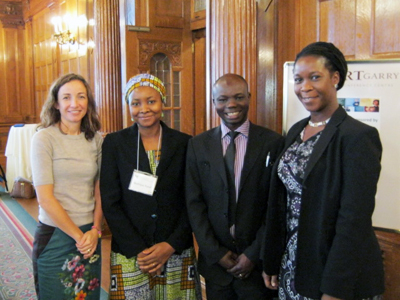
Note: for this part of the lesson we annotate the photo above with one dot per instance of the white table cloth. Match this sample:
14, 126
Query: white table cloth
18, 153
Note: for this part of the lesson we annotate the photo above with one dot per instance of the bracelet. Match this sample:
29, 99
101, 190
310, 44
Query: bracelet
98, 231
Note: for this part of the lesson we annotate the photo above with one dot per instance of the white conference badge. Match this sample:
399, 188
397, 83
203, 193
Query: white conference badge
143, 182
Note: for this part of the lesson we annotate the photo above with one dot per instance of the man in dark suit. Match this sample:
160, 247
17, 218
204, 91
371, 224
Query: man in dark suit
227, 206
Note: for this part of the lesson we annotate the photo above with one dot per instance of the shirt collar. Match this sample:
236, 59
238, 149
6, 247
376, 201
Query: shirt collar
243, 129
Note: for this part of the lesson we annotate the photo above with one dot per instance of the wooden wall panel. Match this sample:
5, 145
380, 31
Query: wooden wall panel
306, 17
171, 8
367, 29
52, 60
15, 106
4, 129
266, 72
337, 21
385, 28
169, 14
15, 75
233, 45
108, 62
389, 241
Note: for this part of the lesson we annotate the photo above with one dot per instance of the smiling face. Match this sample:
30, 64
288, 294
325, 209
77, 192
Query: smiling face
72, 102
145, 106
231, 99
314, 85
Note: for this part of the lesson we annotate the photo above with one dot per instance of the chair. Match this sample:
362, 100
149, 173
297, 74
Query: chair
389, 241
3, 177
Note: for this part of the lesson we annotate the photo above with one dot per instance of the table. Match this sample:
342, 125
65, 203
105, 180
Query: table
18, 150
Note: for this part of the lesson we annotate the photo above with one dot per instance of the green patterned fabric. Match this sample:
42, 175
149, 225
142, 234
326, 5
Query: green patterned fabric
178, 280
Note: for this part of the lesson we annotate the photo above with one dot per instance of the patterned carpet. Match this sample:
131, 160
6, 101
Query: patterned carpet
16, 279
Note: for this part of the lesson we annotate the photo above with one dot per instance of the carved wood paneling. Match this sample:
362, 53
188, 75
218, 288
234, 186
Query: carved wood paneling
107, 65
147, 48
11, 14
233, 45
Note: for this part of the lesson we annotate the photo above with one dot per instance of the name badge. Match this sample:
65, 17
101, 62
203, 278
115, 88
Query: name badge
143, 182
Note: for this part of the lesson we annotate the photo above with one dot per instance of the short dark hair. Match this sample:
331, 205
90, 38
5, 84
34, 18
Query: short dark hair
232, 75
50, 115
335, 60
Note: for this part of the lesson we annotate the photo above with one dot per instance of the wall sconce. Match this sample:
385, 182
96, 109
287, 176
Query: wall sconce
91, 45
61, 36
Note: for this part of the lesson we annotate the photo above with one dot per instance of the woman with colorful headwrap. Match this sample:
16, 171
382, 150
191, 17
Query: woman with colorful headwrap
142, 188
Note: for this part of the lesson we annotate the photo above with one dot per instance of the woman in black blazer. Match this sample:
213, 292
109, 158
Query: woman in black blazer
319, 235
142, 191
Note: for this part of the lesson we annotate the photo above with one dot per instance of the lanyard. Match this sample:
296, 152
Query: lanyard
138, 143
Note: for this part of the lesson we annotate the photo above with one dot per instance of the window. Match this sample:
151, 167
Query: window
160, 66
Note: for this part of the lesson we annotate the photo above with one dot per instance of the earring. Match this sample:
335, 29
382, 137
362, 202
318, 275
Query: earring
336, 86
162, 114
132, 119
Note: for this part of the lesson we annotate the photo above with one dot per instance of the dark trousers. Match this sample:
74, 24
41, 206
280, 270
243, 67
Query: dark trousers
251, 288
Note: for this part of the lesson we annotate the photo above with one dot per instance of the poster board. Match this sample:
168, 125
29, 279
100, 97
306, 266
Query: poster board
367, 81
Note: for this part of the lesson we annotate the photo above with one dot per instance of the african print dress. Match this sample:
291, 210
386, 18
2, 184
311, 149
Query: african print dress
178, 281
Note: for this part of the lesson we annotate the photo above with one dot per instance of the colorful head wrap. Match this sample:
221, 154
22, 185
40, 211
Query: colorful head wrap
145, 80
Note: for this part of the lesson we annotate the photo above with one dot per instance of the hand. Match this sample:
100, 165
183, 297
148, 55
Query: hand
151, 260
271, 282
243, 267
327, 297
88, 243
228, 261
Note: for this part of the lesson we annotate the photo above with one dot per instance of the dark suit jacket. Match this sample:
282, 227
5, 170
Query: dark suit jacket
338, 253
207, 197
138, 221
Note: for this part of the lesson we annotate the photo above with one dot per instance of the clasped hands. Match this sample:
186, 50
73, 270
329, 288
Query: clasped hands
152, 260
237, 265
88, 243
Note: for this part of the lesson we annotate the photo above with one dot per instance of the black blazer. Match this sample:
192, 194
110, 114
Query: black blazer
337, 253
138, 221
207, 196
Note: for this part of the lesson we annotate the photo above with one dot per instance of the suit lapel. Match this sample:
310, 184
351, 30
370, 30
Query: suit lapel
253, 150
323, 142
213, 147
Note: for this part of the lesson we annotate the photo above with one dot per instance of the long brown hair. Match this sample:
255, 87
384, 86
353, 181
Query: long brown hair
50, 115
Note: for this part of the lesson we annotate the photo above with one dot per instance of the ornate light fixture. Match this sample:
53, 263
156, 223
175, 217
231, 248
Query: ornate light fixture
61, 36
64, 37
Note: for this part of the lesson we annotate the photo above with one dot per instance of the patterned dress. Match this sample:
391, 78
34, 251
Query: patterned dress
291, 172
178, 281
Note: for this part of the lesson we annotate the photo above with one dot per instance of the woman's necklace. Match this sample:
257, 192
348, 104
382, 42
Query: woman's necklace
318, 124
